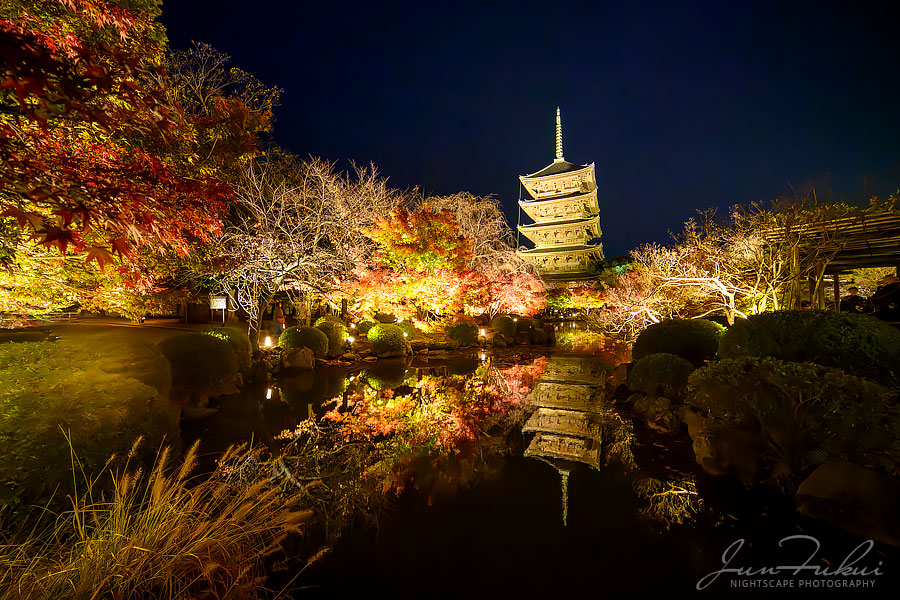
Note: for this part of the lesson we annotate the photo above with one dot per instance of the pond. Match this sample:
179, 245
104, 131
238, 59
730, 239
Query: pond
513, 474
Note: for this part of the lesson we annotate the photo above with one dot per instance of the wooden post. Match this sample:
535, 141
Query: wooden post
837, 291
795, 278
820, 297
343, 309
812, 291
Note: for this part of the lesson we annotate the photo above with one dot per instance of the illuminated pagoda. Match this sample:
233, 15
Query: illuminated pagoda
566, 228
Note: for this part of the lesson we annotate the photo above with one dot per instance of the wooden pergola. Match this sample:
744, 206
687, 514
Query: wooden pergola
837, 246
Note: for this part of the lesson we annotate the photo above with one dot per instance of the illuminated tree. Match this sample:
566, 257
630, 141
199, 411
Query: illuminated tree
295, 227
80, 125
425, 264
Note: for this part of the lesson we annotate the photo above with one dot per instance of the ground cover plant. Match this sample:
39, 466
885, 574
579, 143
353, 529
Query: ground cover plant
96, 396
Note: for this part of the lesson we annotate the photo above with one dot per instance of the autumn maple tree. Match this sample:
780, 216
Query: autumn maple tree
424, 264
84, 128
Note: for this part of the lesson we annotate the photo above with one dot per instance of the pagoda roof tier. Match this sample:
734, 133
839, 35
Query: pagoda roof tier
571, 206
551, 183
556, 167
564, 224
571, 196
577, 249
574, 449
570, 423
562, 233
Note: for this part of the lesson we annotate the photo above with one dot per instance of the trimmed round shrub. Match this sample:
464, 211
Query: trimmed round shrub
854, 343
387, 338
796, 414
660, 374
504, 325
695, 340
329, 318
307, 337
239, 342
465, 333
363, 327
409, 329
336, 332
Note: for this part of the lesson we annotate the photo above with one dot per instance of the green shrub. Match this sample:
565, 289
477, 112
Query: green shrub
695, 340
465, 333
308, 337
102, 393
363, 327
329, 318
387, 338
660, 375
799, 414
336, 332
409, 329
239, 342
854, 343
505, 326
384, 318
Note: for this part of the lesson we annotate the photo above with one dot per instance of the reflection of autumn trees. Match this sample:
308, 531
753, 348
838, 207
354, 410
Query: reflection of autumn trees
435, 433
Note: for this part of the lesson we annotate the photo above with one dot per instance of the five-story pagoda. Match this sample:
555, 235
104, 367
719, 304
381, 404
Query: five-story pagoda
566, 228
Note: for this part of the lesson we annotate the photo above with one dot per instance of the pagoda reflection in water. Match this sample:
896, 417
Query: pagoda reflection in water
572, 422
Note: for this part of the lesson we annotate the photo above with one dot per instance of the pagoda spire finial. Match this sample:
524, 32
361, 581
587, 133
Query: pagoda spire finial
559, 154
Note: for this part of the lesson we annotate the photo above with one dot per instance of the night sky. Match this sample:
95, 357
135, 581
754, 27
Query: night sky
681, 105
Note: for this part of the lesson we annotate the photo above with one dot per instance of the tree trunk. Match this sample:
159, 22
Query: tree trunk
729, 309
256, 323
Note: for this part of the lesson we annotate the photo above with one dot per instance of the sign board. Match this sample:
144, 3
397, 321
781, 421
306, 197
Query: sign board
218, 302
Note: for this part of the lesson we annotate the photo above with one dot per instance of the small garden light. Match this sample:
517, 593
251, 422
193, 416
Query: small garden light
352, 325
405, 334
268, 342
269, 394
351, 339
483, 356
481, 332
515, 318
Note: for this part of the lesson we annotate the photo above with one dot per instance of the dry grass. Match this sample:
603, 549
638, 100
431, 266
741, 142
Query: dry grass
161, 535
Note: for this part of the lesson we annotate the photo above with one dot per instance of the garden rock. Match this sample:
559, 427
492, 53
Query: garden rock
658, 413
298, 358
852, 498
736, 452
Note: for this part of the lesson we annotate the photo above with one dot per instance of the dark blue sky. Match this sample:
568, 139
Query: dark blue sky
681, 105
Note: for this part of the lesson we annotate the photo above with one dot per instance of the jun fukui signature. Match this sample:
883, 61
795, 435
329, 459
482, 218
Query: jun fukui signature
848, 567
